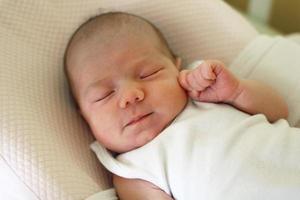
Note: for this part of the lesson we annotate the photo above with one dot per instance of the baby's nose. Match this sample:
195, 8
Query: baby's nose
131, 95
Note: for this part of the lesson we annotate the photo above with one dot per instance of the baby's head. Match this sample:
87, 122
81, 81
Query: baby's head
123, 77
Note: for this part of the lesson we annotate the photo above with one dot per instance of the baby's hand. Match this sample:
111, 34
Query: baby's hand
210, 82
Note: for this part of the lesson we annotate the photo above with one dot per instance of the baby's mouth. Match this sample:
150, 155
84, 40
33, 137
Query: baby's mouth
138, 119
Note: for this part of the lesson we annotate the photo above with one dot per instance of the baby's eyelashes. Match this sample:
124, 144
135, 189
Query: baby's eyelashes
106, 95
150, 73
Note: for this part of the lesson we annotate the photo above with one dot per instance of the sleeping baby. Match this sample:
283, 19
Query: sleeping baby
166, 132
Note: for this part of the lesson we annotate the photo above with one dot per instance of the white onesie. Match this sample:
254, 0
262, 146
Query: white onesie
214, 151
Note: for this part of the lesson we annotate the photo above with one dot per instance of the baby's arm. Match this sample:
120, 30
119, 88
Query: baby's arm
211, 81
256, 97
137, 189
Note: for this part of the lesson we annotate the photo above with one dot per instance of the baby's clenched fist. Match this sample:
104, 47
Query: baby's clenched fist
211, 81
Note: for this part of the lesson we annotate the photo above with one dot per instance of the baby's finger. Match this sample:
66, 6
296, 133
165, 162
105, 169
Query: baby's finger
206, 71
194, 94
197, 80
182, 79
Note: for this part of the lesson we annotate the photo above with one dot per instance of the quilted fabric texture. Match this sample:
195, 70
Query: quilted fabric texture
43, 139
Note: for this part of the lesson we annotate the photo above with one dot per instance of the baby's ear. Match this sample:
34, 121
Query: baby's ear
178, 63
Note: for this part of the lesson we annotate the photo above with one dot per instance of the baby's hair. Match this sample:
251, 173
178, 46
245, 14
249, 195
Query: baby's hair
110, 20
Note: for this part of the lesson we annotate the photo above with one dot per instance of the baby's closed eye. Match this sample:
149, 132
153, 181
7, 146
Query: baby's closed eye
150, 73
104, 95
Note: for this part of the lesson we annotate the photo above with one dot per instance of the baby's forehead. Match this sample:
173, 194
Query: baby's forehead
109, 26
105, 46
113, 36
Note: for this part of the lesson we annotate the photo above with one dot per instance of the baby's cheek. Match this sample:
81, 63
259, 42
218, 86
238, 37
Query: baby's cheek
102, 119
171, 89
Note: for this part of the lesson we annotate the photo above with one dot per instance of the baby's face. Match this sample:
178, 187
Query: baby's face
127, 91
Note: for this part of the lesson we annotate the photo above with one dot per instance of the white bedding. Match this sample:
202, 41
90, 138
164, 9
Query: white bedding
274, 60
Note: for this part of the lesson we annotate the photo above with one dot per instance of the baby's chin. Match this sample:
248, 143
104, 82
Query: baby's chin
141, 139
151, 135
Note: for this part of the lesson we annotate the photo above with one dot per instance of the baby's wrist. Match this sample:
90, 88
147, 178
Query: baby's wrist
234, 98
